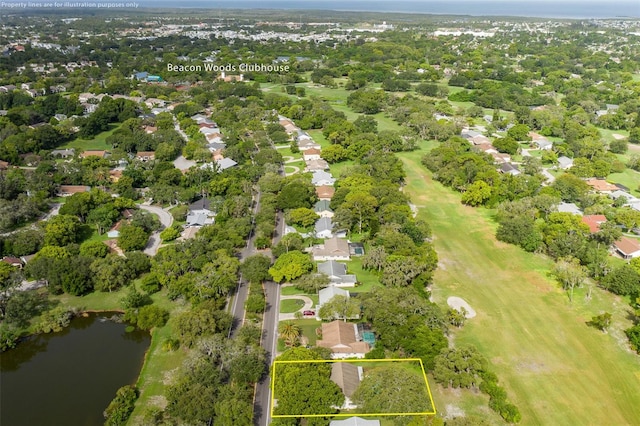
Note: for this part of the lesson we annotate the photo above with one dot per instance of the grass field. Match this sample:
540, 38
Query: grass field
97, 143
555, 369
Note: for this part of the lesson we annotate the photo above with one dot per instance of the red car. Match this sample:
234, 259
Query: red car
309, 313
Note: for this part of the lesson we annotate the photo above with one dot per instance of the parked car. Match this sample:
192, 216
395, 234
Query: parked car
309, 313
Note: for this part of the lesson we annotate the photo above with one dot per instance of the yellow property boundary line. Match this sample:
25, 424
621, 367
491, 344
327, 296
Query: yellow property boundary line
319, 361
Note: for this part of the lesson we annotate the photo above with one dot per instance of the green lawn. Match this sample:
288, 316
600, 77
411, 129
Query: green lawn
367, 279
555, 369
337, 168
319, 138
97, 143
308, 328
629, 178
289, 306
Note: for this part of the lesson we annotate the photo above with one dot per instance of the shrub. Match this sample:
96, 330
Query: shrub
255, 303
633, 334
148, 317
121, 406
150, 284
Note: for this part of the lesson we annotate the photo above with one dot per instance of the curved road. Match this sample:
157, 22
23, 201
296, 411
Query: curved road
165, 219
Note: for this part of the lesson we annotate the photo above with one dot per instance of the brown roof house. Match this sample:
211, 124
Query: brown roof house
311, 154
343, 340
602, 186
333, 249
13, 261
325, 192
627, 248
347, 376
95, 153
593, 221
313, 165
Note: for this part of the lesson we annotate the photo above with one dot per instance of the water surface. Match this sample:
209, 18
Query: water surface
69, 378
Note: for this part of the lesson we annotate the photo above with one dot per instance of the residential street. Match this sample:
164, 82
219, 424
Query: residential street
269, 338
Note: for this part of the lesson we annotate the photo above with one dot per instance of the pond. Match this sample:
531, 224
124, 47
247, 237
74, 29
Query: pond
69, 378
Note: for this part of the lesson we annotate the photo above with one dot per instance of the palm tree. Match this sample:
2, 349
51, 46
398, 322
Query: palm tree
289, 332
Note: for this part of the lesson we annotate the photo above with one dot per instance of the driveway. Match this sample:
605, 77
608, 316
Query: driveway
165, 219
549, 176
182, 163
308, 305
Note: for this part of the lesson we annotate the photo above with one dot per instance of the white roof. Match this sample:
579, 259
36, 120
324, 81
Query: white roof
329, 293
226, 163
569, 208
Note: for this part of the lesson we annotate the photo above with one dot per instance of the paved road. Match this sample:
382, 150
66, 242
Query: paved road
242, 290
269, 338
165, 219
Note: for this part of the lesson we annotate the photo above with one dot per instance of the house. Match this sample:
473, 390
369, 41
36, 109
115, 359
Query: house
200, 213
627, 248
311, 154
145, 156
337, 273
199, 118
209, 130
114, 232
95, 153
602, 186
325, 192
569, 208
150, 129
487, 148
469, 134
355, 421
214, 137
479, 139
216, 146
322, 178
13, 261
324, 228
67, 190
593, 221
4, 165
323, 209
316, 165
543, 144
565, 163
347, 376
328, 293
305, 144
343, 340
509, 169
630, 199
333, 249
501, 158
225, 164
63, 153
